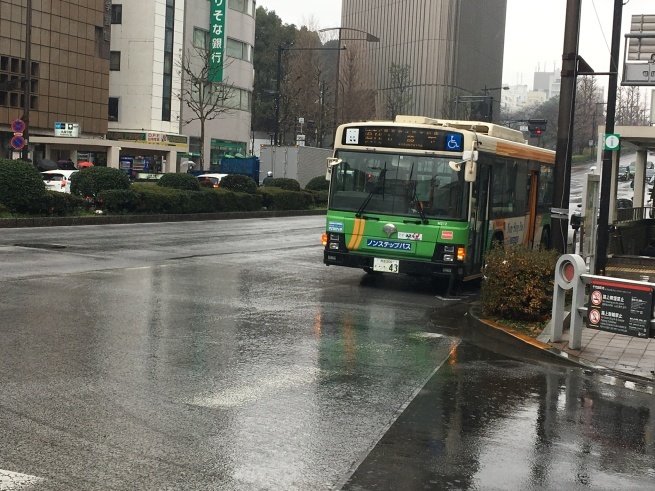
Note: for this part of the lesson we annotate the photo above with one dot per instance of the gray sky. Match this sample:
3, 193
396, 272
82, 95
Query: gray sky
534, 32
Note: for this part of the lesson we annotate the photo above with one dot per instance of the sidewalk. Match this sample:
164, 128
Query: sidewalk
625, 354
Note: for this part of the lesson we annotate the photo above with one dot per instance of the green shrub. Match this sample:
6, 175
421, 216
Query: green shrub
249, 202
285, 183
156, 199
318, 183
91, 181
21, 186
518, 283
54, 203
239, 184
275, 198
118, 200
175, 180
320, 198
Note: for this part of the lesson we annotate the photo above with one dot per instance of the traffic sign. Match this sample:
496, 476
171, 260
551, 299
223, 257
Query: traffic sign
18, 126
612, 141
18, 142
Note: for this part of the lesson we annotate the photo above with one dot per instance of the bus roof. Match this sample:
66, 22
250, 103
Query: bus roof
490, 129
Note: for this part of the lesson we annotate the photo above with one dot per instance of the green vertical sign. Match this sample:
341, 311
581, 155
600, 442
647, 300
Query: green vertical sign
216, 46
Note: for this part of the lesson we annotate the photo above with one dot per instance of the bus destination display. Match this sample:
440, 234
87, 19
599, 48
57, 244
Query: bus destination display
403, 137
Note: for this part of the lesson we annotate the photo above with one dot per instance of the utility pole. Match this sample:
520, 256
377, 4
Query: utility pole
27, 82
564, 150
606, 173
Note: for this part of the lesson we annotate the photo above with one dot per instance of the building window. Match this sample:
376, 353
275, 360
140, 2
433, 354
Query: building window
200, 38
243, 6
167, 80
116, 14
115, 60
113, 109
239, 50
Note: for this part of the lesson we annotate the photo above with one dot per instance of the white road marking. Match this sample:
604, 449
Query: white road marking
10, 481
238, 396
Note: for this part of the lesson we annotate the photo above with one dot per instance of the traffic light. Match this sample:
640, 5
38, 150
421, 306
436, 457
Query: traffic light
536, 127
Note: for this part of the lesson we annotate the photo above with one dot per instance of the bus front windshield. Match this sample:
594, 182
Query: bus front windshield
397, 184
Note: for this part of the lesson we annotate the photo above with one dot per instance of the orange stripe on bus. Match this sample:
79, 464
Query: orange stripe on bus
530, 153
353, 237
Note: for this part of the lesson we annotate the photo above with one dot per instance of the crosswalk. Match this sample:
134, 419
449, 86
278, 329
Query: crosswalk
15, 481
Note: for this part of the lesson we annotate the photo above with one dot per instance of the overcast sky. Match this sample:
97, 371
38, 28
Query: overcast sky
534, 32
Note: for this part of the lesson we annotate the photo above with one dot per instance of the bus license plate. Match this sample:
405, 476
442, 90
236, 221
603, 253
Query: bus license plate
386, 265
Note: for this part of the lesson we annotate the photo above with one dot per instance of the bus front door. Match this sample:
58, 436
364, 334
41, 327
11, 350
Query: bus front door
531, 212
480, 219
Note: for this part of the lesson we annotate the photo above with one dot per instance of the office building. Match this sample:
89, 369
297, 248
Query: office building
448, 48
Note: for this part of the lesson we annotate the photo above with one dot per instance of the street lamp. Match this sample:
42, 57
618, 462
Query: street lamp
280, 48
369, 38
490, 99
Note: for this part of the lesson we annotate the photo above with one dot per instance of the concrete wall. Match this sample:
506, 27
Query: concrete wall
299, 163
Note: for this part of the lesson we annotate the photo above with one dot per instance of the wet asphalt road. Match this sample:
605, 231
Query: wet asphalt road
225, 355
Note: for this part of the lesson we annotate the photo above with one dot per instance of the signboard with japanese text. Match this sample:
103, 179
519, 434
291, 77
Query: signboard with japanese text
68, 130
216, 48
620, 308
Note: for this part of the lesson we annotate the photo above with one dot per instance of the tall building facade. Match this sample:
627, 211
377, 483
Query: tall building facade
442, 49
68, 70
229, 133
113, 71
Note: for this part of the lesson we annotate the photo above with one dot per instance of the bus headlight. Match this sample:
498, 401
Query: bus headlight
448, 257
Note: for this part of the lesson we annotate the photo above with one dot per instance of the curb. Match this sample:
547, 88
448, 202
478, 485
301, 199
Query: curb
128, 219
538, 347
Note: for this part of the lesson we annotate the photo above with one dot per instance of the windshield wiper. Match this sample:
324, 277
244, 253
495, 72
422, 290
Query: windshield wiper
370, 195
414, 198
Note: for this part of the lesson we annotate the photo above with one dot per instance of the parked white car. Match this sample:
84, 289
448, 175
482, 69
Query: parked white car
58, 180
210, 180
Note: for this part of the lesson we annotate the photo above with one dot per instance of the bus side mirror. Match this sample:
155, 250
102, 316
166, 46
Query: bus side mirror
331, 162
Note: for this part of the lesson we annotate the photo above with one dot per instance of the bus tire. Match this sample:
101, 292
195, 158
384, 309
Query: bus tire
544, 243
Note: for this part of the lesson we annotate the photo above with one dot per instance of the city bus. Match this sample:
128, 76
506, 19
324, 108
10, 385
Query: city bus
428, 197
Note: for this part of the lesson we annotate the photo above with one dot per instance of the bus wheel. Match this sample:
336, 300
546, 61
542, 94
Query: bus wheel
544, 243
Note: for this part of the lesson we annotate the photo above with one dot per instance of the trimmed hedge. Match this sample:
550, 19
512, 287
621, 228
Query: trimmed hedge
176, 180
54, 203
285, 183
518, 283
318, 183
91, 181
149, 199
275, 198
120, 201
21, 186
239, 184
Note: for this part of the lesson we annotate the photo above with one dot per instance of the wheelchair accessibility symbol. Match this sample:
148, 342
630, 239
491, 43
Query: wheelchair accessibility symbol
454, 142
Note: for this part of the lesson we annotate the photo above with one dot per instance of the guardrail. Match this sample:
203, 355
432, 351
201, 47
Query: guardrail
624, 215
614, 304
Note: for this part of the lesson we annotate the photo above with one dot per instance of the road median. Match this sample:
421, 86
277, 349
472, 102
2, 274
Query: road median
128, 219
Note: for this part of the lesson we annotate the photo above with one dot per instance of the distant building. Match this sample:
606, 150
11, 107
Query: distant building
548, 82
450, 48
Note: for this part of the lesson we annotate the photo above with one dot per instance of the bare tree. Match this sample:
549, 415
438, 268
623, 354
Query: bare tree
206, 100
358, 100
399, 96
631, 108
586, 98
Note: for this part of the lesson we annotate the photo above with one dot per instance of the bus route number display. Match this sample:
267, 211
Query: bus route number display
403, 137
620, 308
